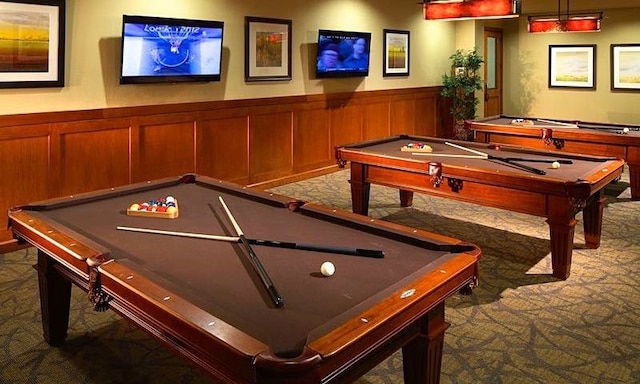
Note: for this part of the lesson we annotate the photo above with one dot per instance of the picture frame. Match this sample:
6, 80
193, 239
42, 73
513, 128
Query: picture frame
267, 49
625, 67
28, 61
572, 66
396, 52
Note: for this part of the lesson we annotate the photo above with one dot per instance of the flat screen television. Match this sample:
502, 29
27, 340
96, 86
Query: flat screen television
342, 54
167, 50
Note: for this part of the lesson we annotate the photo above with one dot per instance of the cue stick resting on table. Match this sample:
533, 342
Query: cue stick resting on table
502, 159
278, 301
374, 253
561, 161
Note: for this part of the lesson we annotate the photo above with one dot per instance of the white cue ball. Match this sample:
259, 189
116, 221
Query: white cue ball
625, 130
555, 165
327, 268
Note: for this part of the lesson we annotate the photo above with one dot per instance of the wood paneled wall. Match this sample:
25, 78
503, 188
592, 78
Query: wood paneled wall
47, 155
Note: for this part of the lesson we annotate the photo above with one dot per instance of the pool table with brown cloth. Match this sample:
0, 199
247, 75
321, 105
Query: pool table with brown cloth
592, 138
448, 172
204, 299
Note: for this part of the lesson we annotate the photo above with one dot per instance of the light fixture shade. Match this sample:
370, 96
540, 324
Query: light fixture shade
582, 23
470, 9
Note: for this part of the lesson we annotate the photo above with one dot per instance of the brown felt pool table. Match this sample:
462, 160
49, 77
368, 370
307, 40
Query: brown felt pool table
205, 299
447, 171
592, 138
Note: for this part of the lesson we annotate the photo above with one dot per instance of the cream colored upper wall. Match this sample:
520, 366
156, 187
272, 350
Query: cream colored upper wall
93, 30
526, 63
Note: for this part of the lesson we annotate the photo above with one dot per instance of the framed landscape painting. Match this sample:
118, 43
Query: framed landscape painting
625, 67
396, 53
32, 43
267, 49
572, 66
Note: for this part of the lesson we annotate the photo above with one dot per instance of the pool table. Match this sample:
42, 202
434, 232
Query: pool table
600, 139
447, 171
205, 299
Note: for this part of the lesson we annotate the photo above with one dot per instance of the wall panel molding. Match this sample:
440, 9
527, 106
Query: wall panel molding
252, 142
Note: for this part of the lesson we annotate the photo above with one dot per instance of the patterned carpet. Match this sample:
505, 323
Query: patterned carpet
521, 325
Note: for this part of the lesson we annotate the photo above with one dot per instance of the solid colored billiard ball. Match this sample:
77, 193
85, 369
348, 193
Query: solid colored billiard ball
327, 268
555, 165
171, 210
134, 207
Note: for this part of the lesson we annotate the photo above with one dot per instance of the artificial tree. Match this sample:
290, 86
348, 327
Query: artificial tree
461, 86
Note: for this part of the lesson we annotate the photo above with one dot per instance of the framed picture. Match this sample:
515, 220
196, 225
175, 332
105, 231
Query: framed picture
267, 49
396, 53
572, 66
32, 43
625, 67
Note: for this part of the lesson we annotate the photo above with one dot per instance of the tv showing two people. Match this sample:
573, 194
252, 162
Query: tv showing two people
342, 54
170, 50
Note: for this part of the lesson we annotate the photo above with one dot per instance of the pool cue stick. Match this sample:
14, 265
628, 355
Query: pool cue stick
466, 149
448, 155
561, 161
278, 301
557, 123
373, 253
503, 159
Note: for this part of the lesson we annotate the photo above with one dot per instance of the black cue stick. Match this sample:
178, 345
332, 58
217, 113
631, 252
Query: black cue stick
278, 301
561, 161
499, 158
373, 253
517, 165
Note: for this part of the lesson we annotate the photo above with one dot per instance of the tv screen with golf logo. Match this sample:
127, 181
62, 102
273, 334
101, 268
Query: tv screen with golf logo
167, 50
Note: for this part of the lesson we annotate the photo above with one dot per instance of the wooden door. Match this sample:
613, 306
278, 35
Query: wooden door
492, 72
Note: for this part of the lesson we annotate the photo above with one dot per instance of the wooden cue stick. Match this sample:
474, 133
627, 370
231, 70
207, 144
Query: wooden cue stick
277, 300
467, 149
558, 123
373, 253
448, 155
502, 159
230, 239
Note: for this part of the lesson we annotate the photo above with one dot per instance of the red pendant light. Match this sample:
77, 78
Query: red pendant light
567, 22
470, 9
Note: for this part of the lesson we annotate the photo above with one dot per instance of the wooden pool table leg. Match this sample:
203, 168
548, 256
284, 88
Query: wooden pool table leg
406, 198
360, 189
634, 180
422, 357
592, 220
55, 300
562, 225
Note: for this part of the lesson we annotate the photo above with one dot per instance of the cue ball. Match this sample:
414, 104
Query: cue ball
555, 165
327, 268
625, 130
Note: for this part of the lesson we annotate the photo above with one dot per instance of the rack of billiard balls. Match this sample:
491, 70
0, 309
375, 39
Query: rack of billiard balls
166, 207
416, 147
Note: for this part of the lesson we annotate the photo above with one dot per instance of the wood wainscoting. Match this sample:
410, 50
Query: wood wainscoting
256, 141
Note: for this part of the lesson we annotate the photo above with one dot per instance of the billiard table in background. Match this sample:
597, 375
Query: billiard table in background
574, 136
448, 172
205, 300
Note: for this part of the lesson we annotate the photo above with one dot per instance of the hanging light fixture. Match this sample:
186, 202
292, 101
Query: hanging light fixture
567, 22
470, 9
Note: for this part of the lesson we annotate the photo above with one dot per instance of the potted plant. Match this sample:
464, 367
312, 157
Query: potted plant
461, 86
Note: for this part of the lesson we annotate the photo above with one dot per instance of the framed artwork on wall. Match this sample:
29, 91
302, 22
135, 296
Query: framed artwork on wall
625, 67
267, 49
395, 53
32, 43
572, 66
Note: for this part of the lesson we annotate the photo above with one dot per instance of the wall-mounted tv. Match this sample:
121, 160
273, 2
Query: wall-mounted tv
167, 50
342, 53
